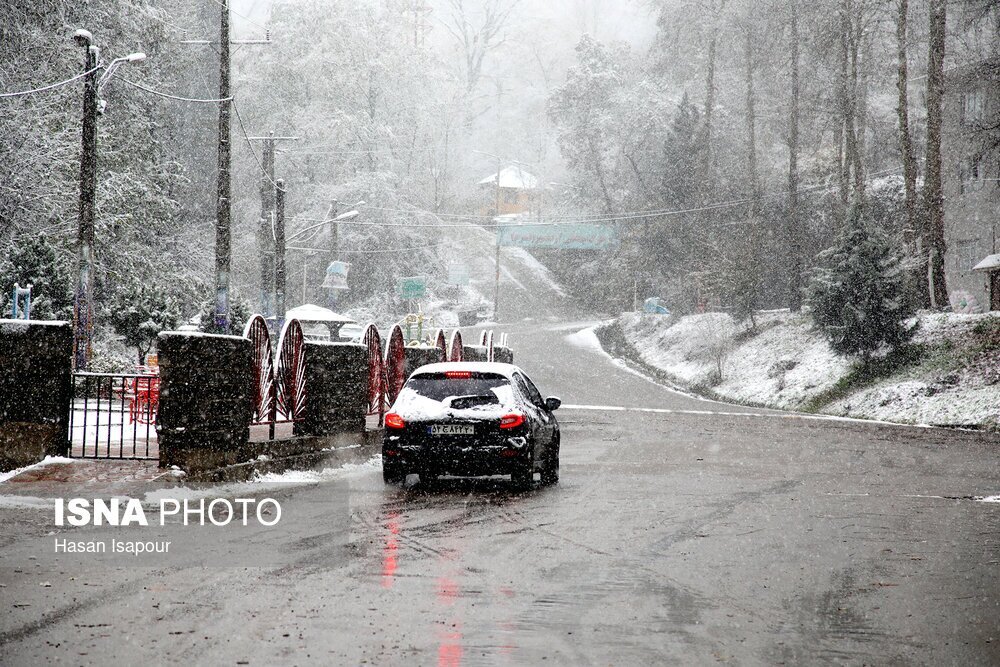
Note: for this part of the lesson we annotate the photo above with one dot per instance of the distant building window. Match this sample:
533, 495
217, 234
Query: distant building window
971, 174
972, 106
510, 195
967, 253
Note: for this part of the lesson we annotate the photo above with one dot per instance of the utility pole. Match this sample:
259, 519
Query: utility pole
279, 252
265, 234
83, 306
496, 282
223, 209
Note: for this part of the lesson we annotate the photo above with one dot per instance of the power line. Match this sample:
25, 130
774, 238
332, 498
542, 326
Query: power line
260, 165
52, 85
242, 16
308, 151
623, 215
174, 97
376, 251
579, 220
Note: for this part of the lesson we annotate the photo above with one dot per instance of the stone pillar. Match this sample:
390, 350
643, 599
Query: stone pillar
36, 389
206, 399
336, 388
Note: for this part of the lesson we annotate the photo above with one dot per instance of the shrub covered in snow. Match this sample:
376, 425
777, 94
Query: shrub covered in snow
858, 293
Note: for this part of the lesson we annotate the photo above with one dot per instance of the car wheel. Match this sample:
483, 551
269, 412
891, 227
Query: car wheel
392, 473
550, 473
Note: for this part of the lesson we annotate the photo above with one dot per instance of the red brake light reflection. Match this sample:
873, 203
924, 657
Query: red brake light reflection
511, 421
458, 375
392, 420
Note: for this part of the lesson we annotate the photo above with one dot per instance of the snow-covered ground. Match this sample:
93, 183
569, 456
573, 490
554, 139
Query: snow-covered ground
787, 364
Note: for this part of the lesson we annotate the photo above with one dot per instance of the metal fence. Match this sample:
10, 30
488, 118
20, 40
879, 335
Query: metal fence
114, 416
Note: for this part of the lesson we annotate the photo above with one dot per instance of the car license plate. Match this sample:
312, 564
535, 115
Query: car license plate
451, 429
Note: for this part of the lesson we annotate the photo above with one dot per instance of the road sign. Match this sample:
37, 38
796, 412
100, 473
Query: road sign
570, 236
336, 276
413, 287
458, 274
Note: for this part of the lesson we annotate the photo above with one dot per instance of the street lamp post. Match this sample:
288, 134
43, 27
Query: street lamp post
83, 306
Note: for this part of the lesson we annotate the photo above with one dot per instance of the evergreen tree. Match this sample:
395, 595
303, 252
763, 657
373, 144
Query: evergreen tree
240, 312
35, 262
858, 293
140, 313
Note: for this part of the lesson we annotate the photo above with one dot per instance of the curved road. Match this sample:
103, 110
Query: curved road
689, 533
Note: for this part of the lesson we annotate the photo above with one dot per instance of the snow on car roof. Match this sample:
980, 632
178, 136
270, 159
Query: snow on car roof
474, 366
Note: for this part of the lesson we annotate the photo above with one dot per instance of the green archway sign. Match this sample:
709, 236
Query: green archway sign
414, 287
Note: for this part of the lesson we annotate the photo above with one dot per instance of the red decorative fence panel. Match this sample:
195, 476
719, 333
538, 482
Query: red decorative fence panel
265, 405
441, 344
455, 349
376, 372
291, 375
395, 365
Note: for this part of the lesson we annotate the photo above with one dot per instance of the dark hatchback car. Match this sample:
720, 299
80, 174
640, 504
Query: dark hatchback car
471, 419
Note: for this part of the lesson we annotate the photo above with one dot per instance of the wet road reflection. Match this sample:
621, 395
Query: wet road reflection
424, 528
390, 549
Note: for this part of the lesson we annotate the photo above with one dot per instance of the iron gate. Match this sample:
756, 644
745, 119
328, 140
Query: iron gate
113, 416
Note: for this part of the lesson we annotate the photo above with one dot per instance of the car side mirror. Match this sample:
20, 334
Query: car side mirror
552, 403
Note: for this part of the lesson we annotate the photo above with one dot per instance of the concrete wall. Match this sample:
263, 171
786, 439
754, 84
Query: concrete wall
36, 386
420, 356
336, 388
474, 353
503, 355
205, 399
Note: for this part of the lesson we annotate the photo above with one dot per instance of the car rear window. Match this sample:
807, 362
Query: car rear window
442, 386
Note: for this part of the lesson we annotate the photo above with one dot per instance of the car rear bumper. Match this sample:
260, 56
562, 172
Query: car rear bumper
469, 458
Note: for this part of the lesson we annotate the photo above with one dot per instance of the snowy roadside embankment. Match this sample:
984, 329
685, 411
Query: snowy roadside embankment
951, 375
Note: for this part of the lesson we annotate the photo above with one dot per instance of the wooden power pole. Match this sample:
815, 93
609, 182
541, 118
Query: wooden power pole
83, 304
223, 208
266, 230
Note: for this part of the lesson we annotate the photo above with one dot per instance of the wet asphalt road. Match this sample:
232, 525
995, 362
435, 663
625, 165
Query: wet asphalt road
681, 537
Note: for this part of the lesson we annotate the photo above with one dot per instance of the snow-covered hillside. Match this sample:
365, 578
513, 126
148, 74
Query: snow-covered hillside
953, 380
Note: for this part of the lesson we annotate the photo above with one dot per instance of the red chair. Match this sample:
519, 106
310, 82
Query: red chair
145, 399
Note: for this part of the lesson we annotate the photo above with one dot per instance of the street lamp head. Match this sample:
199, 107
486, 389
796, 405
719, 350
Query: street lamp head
83, 37
136, 57
350, 215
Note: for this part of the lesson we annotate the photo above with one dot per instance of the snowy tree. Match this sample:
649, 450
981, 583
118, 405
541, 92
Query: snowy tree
42, 264
584, 112
140, 312
858, 294
240, 313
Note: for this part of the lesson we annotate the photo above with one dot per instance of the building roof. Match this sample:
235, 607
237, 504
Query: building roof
312, 313
513, 177
989, 263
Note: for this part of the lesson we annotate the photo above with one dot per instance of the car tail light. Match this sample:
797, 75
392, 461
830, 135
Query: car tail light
458, 375
392, 420
511, 421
